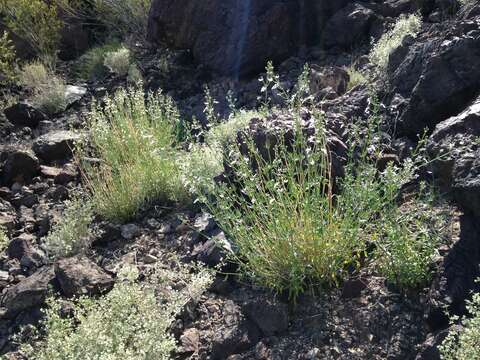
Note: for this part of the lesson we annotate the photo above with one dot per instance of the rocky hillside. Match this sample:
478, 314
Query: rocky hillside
240, 179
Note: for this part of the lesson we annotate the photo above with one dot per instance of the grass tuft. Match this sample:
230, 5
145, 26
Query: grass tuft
133, 137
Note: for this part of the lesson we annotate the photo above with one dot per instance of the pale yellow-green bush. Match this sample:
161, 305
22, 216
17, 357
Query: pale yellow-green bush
203, 162
356, 77
133, 136
118, 61
47, 90
129, 323
463, 343
71, 234
392, 39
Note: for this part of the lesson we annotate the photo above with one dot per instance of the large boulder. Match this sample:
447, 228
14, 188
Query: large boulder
435, 76
455, 148
237, 37
19, 165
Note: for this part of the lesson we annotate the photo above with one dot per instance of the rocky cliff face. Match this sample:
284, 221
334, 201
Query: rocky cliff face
237, 37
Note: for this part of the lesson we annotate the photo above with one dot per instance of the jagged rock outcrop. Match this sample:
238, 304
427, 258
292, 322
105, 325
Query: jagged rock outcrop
436, 75
237, 37
455, 147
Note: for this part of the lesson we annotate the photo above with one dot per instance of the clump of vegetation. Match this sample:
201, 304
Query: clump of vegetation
3, 239
91, 65
133, 137
463, 342
392, 39
47, 90
129, 323
128, 17
35, 21
7, 60
355, 77
118, 61
290, 232
72, 233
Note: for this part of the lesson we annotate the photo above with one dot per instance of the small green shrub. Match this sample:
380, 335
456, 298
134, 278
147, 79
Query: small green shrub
356, 77
91, 64
392, 39
132, 136
47, 90
36, 22
7, 60
126, 324
118, 61
464, 343
123, 18
71, 234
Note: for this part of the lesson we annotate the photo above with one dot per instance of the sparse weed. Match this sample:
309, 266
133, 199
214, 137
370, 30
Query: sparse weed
392, 39
118, 61
133, 137
123, 18
463, 342
72, 233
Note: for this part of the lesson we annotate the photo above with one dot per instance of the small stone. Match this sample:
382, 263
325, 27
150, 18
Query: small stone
20, 166
130, 231
150, 259
190, 341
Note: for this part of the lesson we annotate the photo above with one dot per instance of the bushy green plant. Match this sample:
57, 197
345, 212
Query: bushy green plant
35, 21
355, 77
463, 343
47, 90
127, 17
126, 324
118, 61
132, 136
91, 64
7, 59
392, 39
71, 234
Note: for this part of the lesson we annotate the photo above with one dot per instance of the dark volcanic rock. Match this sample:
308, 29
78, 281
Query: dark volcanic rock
455, 147
348, 27
56, 145
271, 316
236, 335
237, 37
438, 76
22, 114
79, 276
458, 271
30, 292
20, 165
